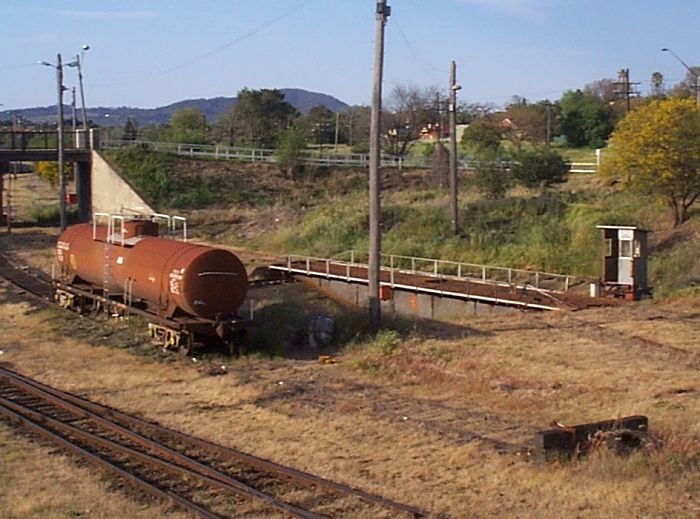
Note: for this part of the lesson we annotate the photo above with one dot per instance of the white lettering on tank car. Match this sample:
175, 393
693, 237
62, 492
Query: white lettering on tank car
175, 281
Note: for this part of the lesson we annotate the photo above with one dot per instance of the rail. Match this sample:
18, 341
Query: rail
443, 269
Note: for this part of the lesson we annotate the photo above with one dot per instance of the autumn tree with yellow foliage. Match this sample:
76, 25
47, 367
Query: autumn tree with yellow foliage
48, 171
655, 150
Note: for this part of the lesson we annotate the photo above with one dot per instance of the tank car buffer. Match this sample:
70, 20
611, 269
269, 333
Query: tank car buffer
126, 265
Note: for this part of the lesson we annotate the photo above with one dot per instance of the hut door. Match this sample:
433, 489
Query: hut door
624, 262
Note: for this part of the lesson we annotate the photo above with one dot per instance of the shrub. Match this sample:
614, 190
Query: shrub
491, 176
539, 168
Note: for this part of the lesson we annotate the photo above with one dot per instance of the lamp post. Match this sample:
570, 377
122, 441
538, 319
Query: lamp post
697, 76
79, 61
59, 132
454, 87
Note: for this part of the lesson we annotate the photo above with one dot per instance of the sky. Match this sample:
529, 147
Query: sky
153, 53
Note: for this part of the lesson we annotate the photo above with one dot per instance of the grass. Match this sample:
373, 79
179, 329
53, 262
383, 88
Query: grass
395, 413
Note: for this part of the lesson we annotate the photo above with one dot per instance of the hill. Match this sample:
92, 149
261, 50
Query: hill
302, 100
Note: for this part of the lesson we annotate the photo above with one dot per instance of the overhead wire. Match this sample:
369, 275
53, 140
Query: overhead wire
201, 57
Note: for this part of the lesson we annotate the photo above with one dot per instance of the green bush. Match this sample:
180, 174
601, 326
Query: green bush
539, 168
491, 176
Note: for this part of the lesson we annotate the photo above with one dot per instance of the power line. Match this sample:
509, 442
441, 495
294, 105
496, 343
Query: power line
416, 56
201, 57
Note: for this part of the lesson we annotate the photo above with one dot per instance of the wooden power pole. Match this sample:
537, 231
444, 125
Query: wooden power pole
453, 147
375, 311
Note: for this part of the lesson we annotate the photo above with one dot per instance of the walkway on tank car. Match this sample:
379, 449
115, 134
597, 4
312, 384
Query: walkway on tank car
491, 285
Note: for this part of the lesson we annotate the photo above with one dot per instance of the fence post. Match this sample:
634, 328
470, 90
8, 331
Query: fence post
537, 279
483, 273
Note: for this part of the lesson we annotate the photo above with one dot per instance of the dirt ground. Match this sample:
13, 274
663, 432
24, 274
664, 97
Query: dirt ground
418, 416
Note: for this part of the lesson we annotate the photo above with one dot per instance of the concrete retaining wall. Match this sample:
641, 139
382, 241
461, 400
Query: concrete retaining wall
111, 193
409, 304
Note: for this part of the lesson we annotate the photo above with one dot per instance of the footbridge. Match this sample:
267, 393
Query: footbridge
438, 289
97, 185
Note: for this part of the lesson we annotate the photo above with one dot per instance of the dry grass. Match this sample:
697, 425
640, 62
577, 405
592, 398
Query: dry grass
410, 418
394, 432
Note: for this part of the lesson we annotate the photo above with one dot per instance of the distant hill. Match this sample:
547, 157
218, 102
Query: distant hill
302, 100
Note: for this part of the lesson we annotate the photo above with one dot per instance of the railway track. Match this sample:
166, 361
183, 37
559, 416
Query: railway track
33, 282
207, 479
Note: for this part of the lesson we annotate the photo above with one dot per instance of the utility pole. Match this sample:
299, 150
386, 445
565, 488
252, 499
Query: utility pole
548, 133
337, 122
375, 311
73, 107
625, 89
59, 138
453, 147
79, 61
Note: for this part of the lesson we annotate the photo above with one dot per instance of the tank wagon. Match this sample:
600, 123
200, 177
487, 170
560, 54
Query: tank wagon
189, 293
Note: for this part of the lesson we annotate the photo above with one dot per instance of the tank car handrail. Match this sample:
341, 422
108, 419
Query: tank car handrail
202, 274
160, 216
111, 238
94, 223
184, 226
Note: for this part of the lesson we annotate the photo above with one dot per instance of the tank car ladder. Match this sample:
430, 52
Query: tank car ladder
110, 239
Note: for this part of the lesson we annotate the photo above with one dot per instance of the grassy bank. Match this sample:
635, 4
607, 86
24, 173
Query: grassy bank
324, 212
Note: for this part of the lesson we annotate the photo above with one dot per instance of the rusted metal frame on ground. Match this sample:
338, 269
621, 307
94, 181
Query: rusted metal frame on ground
483, 268
435, 272
567, 441
132, 479
416, 288
178, 462
296, 475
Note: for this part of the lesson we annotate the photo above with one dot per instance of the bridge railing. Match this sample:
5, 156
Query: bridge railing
318, 157
36, 140
444, 269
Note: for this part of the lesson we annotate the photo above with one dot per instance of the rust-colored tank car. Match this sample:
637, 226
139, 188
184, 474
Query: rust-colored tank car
172, 277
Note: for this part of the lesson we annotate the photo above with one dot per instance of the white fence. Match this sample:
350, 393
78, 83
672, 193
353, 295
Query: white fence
316, 158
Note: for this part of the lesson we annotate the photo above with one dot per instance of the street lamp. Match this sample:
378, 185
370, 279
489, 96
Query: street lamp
697, 76
59, 132
79, 61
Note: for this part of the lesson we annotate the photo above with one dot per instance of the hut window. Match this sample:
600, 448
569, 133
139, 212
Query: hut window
637, 249
625, 248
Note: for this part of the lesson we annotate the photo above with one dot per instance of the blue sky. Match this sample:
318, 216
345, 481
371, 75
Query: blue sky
152, 53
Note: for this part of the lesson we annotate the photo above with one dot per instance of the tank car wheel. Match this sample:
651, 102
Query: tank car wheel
184, 345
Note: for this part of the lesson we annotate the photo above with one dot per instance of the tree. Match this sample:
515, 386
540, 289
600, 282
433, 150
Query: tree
290, 151
259, 116
585, 119
131, 130
657, 85
481, 136
491, 176
318, 124
189, 126
655, 150
526, 121
411, 109
539, 168
686, 88
48, 171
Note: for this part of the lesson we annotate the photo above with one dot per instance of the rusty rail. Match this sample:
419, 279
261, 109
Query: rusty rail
166, 450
